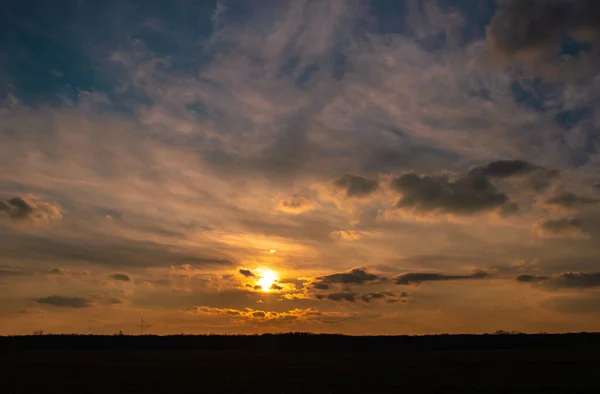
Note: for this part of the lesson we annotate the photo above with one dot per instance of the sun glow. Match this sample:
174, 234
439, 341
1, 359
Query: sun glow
267, 279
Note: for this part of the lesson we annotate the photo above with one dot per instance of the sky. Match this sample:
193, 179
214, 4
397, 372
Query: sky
345, 166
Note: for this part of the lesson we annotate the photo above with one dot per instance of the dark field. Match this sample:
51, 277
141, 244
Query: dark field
447, 365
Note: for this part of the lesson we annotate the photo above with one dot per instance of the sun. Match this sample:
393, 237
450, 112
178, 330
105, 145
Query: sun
266, 279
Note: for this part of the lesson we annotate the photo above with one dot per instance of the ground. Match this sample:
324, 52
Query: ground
570, 369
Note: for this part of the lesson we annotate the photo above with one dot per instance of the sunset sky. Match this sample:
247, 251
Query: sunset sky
361, 167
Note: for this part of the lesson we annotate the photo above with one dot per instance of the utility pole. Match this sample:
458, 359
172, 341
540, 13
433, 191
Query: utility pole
142, 327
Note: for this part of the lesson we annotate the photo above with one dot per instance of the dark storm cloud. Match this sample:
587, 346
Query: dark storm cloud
574, 280
506, 168
356, 185
561, 224
542, 179
65, 302
468, 195
531, 278
560, 228
121, 277
367, 298
538, 177
16, 208
355, 276
342, 296
321, 286
416, 278
29, 208
388, 297
571, 200
275, 286
567, 280
246, 272
534, 30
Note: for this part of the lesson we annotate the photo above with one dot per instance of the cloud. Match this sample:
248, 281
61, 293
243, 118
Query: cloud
506, 168
571, 200
531, 32
386, 296
30, 208
349, 235
298, 283
295, 205
467, 195
7, 271
246, 272
416, 278
65, 272
262, 316
355, 276
65, 302
567, 280
114, 301
560, 228
104, 250
367, 298
320, 286
342, 296
574, 280
78, 302
539, 178
356, 185
121, 277
531, 278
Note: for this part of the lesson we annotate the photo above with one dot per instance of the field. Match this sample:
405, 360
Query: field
552, 368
